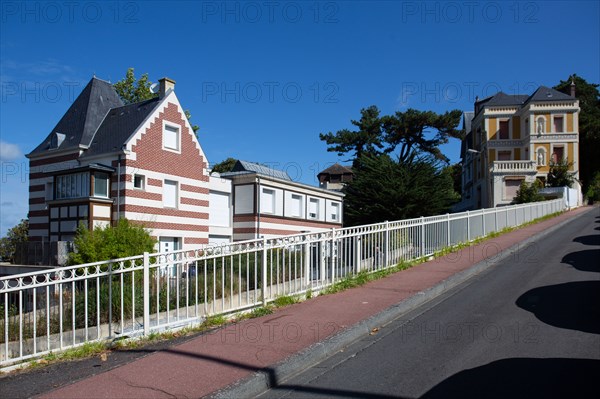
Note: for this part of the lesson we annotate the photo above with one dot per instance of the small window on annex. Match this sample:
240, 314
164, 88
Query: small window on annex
74, 185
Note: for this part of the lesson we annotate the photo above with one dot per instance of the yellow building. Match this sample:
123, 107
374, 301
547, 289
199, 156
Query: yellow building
514, 138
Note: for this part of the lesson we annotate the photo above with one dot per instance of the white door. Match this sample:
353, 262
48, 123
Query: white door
169, 244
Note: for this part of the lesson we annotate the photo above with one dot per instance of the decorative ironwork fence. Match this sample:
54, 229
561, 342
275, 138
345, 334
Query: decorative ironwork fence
65, 307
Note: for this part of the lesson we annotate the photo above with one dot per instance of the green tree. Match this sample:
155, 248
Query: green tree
593, 191
417, 131
455, 172
589, 125
388, 189
559, 175
224, 166
528, 193
368, 138
133, 91
410, 133
123, 240
16, 235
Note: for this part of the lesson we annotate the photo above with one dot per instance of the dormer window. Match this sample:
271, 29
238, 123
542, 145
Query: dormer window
56, 140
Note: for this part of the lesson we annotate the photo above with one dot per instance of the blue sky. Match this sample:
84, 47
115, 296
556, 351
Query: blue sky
262, 79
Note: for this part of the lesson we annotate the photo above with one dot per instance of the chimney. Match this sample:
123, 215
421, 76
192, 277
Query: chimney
572, 87
165, 84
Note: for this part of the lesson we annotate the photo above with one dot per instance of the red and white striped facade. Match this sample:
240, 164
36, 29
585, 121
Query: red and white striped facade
165, 186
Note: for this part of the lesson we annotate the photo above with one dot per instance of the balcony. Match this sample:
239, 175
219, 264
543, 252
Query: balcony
513, 167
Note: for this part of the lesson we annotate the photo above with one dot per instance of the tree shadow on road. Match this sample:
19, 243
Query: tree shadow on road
585, 261
592, 239
573, 305
523, 378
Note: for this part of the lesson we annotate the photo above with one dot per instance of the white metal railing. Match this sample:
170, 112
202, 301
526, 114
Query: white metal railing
514, 166
56, 309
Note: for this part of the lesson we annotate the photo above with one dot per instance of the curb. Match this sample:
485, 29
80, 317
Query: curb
263, 380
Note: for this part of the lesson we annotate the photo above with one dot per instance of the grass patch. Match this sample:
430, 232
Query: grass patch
285, 300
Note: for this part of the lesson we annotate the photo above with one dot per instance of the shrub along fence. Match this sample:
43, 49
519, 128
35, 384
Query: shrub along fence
65, 307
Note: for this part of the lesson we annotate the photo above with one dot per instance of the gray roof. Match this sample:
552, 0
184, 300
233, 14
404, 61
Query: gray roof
336, 169
544, 93
467, 119
83, 117
244, 166
118, 125
502, 98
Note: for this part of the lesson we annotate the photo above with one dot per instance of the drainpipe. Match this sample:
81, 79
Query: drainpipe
258, 210
119, 188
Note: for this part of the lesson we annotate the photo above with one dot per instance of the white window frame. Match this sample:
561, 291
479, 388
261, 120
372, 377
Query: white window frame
335, 211
296, 198
105, 194
166, 202
317, 202
142, 179
264, 192
171, 125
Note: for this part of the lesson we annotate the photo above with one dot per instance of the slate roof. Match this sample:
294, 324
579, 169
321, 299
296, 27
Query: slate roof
84, 116
544, 93
118, 125
244, 166
336, 169
467, 119
501, 98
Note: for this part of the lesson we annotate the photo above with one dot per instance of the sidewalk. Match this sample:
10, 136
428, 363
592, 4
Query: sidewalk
253, 353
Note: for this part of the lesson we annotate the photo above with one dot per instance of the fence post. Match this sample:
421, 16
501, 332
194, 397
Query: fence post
146, 272
331, 260
264, 271
448, 221
307, 261
422, 237
386, 247
483, 222
496, 219
468, 227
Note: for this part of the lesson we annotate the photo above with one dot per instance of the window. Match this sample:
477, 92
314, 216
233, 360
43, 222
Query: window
335, 211
139, 182
171, 137
296, 205
267, 200
74, 185
170, 194
313, 208
510, 188
503, 130
558, 124
101, 184
558, 154
49, 191
504, 156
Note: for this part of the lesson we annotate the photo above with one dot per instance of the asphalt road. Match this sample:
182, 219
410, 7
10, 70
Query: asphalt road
527, 328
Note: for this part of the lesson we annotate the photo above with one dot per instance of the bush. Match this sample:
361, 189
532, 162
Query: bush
528, 193
123, 240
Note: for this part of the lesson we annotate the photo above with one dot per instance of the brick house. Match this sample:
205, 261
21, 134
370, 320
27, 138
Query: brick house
105, 160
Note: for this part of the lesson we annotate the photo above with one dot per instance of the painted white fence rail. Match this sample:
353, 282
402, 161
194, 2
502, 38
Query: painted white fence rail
53, 310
